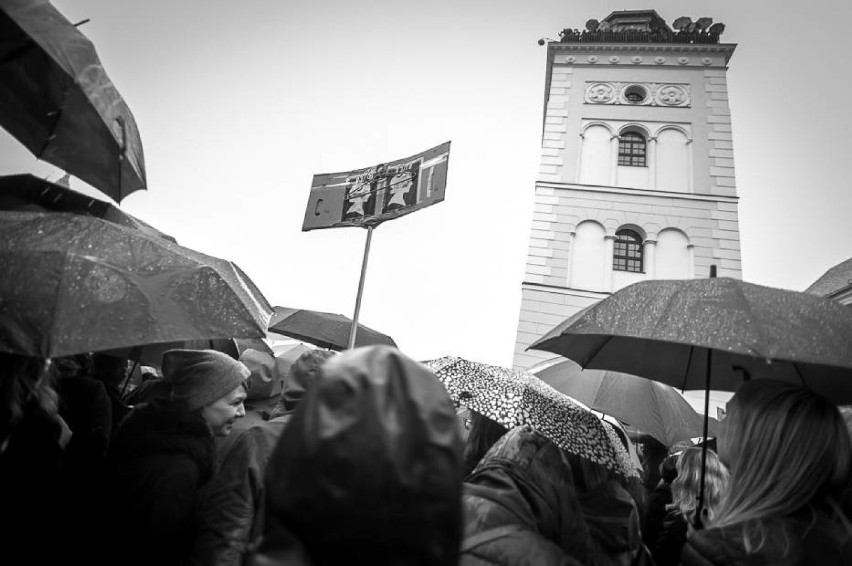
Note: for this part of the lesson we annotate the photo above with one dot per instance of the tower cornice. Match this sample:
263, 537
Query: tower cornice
726, 49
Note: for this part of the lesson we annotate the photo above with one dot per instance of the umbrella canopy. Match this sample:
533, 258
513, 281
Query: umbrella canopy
28, 192
652, 407
57, 100
326, 330
72, 284
513, 398
668, 330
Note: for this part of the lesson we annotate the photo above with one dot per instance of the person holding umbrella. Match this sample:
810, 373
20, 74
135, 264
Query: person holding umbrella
164, 453
790, 457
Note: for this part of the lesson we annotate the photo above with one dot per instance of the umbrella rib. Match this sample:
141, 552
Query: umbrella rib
799, 373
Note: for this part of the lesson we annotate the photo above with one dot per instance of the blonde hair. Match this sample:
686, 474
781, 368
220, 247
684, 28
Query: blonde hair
787, 447
687, 484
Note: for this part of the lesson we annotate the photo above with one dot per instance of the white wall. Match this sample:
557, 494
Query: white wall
672, 258
596, 156
672, 161
589, 258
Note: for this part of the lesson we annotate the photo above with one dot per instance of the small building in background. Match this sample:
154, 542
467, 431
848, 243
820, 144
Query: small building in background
636, 179
836, 283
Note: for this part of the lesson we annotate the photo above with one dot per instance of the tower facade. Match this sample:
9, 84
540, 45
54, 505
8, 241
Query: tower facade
636, 179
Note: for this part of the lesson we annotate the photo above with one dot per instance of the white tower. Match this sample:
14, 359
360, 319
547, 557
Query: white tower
637, 168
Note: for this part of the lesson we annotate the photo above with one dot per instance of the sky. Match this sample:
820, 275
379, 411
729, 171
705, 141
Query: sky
239, 104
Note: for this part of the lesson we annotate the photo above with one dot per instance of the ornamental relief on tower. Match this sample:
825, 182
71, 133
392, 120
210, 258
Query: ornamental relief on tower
639, 94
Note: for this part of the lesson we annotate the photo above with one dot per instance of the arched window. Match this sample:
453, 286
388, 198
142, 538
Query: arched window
631, 149
627, 254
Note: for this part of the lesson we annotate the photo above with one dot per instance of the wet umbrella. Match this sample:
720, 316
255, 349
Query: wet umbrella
712, 334
72, 283
676, 331
28, 192
652, 407
514, 398
326, 330
57, 100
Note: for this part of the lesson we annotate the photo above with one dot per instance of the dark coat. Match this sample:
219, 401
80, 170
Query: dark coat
659, 499
810, 538
368, 470
160, 457
34, 492
671, 537
521, 507
231, 515
613, 520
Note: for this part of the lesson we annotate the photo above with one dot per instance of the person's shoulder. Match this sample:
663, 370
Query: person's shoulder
710, 547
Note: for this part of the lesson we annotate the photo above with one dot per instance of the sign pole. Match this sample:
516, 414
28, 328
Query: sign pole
353, 331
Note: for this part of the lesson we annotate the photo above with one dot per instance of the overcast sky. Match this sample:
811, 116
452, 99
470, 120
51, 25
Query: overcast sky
240, 103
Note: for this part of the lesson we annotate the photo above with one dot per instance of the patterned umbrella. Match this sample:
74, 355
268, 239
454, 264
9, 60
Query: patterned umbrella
513, 398
72, 284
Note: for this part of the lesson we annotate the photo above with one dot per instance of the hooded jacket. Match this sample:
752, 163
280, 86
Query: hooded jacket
160, 457
809, 538
521, 507
368, 470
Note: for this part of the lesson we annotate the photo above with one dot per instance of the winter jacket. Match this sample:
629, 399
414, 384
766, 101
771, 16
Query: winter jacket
232, 512
809, 538
657, 502
34, 492
671, 537
160, 457
613, 521
521, 507
368, 470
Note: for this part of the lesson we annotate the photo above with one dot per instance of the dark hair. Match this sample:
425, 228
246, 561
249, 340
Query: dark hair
482, 435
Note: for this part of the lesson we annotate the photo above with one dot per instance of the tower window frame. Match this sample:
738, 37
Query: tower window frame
632, 149
628, 253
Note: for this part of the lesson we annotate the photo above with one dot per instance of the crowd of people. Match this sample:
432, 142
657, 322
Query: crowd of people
363, 458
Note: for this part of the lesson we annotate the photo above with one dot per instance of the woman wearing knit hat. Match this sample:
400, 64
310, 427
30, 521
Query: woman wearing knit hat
164, 452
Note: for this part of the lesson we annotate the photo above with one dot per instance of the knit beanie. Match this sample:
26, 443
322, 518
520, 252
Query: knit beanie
199, 377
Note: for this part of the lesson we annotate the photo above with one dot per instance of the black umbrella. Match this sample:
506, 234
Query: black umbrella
712, 334
650, 406
72, 284
57, 100
28, 192
666, 330
326, 330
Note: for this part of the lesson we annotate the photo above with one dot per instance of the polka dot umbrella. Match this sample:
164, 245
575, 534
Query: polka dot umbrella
513, 398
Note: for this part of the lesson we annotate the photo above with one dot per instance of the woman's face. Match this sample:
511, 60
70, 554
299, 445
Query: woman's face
222, 413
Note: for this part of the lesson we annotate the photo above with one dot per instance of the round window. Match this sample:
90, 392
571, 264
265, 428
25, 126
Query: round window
635, 93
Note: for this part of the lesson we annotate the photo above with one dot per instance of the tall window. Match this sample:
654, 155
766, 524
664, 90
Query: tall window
627, 255
631, 149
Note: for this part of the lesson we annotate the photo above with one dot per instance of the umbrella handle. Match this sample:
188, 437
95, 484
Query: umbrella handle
699, 524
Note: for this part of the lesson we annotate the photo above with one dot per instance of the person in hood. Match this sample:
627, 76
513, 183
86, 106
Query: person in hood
368, 471
789, 457
164, 452
521, 507
232, 513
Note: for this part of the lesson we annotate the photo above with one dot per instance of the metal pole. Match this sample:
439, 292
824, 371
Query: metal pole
354, 330
699, 523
